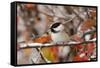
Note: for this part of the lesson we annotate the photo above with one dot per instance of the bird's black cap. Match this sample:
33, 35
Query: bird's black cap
55, 25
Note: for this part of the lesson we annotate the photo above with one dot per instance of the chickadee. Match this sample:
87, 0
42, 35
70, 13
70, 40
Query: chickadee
59, 35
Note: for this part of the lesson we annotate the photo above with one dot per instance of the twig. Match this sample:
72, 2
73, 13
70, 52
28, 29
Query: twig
59, 17
40, 52
76, 13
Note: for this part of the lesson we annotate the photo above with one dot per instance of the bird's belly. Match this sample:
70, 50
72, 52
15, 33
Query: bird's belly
60, 37
63, 51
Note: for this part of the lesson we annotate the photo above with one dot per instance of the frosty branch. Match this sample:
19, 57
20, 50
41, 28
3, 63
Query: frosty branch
36, 45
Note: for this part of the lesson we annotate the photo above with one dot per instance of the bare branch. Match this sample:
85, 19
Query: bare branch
77, 13
71, 16
40, 52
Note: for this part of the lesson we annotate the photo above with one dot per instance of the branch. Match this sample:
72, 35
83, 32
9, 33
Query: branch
71, 16
41, 54
36, 45
77, 13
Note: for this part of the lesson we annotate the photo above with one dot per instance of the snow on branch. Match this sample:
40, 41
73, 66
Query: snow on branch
36, 45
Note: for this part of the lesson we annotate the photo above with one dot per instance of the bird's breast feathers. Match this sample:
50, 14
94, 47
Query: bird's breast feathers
59, 37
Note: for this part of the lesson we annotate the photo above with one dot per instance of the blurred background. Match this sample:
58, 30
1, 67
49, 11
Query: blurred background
34, 20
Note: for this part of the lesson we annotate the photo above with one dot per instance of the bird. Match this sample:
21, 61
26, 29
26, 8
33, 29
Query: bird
58, 35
